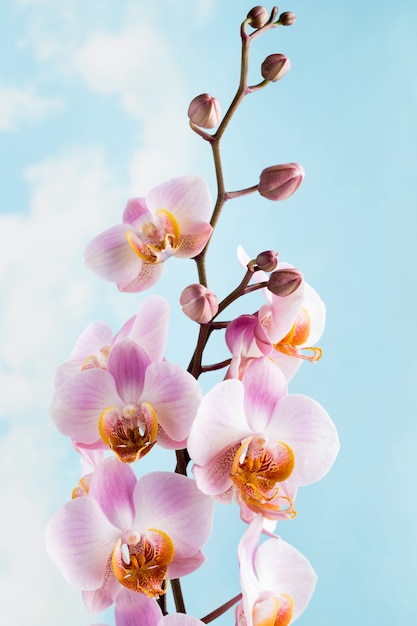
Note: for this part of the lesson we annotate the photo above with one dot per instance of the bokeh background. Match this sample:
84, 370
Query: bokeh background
93, 102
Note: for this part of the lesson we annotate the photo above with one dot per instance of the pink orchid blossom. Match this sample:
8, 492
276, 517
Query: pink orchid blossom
129, 406
128, 532
284, 329
277, 581
148, 328
173, 220
253, 441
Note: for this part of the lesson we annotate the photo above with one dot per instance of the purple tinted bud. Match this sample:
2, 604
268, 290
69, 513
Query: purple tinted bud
279, 182
275, 67
284, 282
204, 111
267, 261
258, 17
287, 18
198, 303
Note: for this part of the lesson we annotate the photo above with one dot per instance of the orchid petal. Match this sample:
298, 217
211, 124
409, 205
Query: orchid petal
283, 569
149, 327
79, 538
168, 443
78, 403
147, 276
264, 385
98, 600
110, 256
186, 197
178, 619
220, 422
136, 209
127, 363
317, 311
214, 478
182, 566
193, 243
173, 503
112, 486
288, 365
246, 553
306, 427
135, 609
240, 336
277, 319
94, 337
175, 396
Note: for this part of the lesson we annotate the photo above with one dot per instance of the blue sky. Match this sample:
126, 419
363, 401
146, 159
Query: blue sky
93, 101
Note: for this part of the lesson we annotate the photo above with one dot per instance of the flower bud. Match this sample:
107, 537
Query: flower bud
198, 303
279, 182
287, 18
284, 282
275, 67
267, 261
258, 17
204, 111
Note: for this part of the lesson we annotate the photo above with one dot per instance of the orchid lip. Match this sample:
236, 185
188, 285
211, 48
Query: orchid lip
132, 432
293, 342
257, 468
156, 242
140, 561
273, 610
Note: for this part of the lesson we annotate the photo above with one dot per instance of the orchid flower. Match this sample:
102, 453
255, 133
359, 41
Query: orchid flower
148, 328
253, 441
284, 329
173, 220
129, 532
129, 406
277, 581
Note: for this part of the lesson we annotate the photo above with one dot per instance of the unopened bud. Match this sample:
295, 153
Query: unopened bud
275, 67
258, 17
204, 111
198, 303
284, 282
267, 261
279, 182
287, 18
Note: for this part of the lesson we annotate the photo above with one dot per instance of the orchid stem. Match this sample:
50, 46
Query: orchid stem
222, 609
178, 597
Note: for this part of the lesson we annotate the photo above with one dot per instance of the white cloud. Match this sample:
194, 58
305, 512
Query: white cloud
137, 65
21, 105
42, 277
48, 294
134, 62
33, 592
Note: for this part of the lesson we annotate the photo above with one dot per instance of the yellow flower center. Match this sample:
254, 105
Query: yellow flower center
130, 433
157, 240
140, 562
256, 470
298, 336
